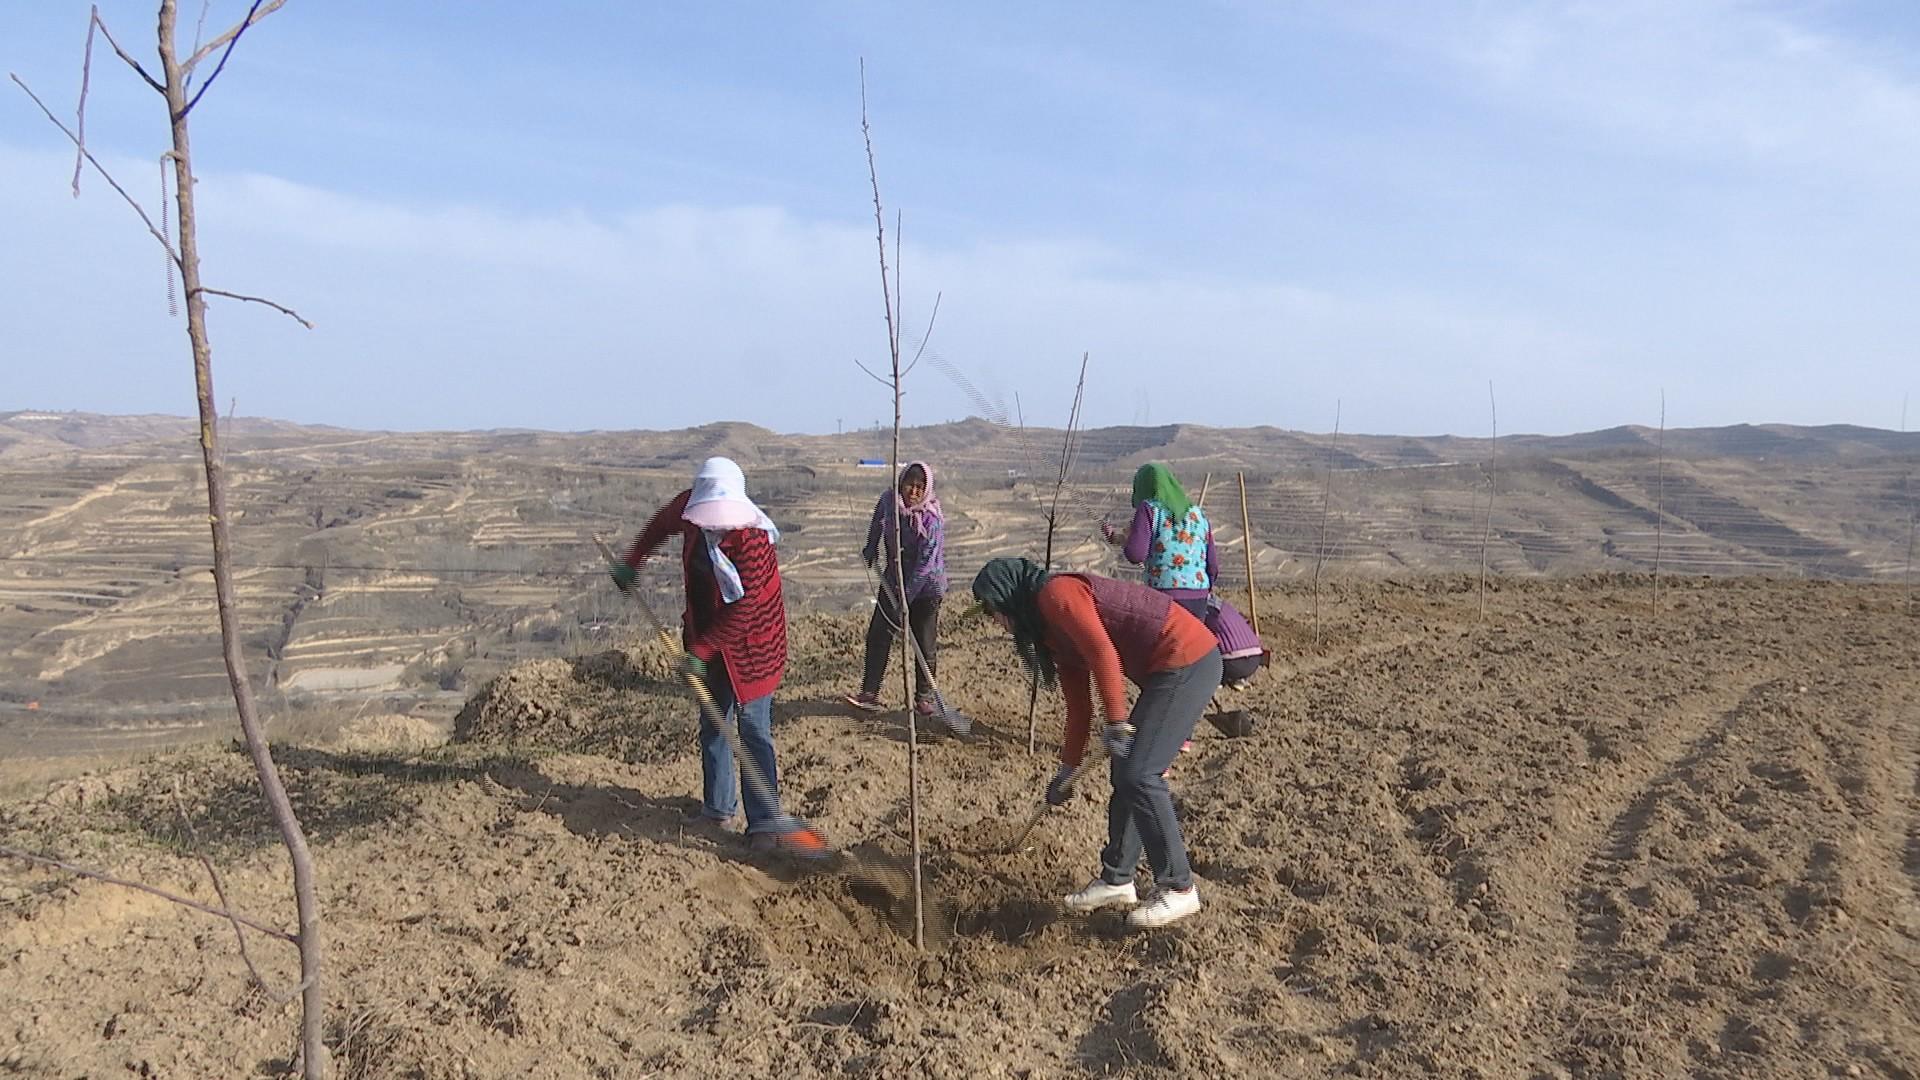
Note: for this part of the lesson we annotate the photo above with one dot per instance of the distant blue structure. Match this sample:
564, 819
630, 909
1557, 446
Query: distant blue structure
873, 463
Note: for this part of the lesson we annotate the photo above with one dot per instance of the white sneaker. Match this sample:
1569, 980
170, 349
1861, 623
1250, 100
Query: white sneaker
1098, 894
1163, 907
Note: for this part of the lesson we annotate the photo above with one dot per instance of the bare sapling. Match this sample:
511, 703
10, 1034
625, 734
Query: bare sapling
1326, 504
1659, 501
1246, 541
175, 86
1906, 491
1069, 451
890, 295
1486, 532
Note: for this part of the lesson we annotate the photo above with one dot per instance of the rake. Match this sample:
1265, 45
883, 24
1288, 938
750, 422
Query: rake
1079, 770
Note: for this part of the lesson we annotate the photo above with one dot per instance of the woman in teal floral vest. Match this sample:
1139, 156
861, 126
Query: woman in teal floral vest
1171, 537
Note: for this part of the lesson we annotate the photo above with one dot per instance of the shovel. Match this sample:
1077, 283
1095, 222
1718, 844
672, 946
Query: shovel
956, 721
803, 840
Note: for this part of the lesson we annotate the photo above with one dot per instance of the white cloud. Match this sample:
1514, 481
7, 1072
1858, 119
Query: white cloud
1699, 79
435, 316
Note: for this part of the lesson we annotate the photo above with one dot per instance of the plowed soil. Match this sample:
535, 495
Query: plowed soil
1565, 838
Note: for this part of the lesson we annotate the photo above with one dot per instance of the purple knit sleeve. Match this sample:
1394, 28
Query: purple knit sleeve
1140, 534
875, 530
1213, 559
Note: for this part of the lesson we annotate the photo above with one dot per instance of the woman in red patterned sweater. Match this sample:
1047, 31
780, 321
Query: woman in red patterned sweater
1085, 631
734, 630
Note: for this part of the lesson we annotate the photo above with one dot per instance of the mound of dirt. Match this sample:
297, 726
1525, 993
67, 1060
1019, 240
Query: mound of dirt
392, 733
534, 702
622, 702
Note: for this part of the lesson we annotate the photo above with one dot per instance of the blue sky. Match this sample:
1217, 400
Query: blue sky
578, 215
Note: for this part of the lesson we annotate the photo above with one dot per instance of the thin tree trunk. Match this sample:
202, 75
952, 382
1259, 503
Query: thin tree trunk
889, 292
1486, 534
1906, 485
1068, 448
1659, 503
1906, 489
1246, 539
313, 997
1326, 504
906, 683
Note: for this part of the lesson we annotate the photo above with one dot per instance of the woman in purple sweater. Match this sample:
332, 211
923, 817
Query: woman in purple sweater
923, 554
1170, 536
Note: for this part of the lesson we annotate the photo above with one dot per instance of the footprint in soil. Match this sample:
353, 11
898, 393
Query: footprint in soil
814, 803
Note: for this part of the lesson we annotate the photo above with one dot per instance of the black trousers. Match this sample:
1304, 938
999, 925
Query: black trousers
922, 614
1239, 669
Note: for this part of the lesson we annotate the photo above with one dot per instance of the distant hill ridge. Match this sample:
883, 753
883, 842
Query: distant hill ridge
35, 434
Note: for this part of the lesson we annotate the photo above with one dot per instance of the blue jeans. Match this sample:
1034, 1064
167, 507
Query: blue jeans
1140, 811
720, 791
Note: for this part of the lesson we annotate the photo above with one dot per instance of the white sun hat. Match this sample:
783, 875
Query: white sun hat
720, 498
719, 505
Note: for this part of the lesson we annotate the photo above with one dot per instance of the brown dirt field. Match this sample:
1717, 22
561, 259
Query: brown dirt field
1570, 841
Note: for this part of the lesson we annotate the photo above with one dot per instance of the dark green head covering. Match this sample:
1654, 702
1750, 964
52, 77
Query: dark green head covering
1155, 481
1011, 587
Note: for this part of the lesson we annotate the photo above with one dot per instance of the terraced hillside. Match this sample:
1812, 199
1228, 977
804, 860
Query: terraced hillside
404, 567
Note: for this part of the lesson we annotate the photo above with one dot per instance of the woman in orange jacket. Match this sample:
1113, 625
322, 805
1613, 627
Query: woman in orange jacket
1084, 632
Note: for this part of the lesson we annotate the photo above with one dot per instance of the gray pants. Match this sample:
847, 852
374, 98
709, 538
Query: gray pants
1140, 811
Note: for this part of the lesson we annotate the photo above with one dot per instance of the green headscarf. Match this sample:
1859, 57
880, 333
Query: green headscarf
1011, 587
1155, 481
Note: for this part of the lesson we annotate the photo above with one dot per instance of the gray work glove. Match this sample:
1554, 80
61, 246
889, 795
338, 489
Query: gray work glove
1060, 788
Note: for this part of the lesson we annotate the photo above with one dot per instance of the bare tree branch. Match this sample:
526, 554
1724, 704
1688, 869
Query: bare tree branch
80, 111
99, 168
122, 53
27, 856
879, 220
173, 302
888, 383
219, 890
222, 65
259, 11
199, 31
899, 231
926, 337
282, 309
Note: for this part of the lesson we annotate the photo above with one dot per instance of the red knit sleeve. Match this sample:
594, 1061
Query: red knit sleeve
1074, 687
661, 527
735, 624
